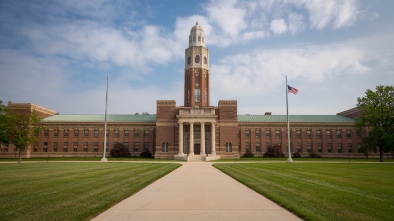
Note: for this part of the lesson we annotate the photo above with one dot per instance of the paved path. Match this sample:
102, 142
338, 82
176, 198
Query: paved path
196, 191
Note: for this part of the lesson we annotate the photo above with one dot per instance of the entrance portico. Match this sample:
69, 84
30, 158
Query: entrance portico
196, 133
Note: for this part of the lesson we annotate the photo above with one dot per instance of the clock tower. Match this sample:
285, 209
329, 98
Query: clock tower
196, 70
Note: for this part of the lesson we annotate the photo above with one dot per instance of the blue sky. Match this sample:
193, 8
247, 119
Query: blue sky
57, 54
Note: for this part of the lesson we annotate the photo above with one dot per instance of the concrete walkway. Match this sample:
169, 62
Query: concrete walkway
196, 191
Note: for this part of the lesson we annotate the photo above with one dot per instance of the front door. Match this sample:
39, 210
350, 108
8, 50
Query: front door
197, 149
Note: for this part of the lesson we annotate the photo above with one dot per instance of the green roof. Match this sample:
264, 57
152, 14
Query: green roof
295, 118
101, 118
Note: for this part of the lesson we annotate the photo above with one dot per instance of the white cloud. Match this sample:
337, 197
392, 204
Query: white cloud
278, 26
262, 71
339, 13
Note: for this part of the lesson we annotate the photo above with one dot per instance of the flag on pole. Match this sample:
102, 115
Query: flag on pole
291, 89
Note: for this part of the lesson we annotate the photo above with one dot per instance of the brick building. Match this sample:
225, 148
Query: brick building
194, 131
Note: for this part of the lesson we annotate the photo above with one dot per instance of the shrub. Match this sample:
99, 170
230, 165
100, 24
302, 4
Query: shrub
248, 154
296, 155
274, 151
146, 154
314, 155
119, 151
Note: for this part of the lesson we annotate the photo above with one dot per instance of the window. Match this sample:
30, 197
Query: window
35, 147
247, 133
95, 147
96, 133
146, 133
309, 147
348, 134
126, 145
319, 149
318, 134
55, 146
194, 38
76, 132
349, 148
136, 146
229, 147
247, 145
85, 146
126, 133
258, 147
75, 146
298, 133
116, 133
164, 147
45, 146
339, 134
199, 38
136, 133
46, 132
202, 39
308, 133
65, 146
329, 148
85, 133
257, 133
328, 133
267, 133
65, 133
146, 146
299, 149
106, 133
339, 148
197, 95
56, 132
277, 133
205, 60
267, 145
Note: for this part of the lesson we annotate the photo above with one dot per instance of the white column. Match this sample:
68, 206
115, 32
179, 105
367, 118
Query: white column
191, 143
202, 152
180, 151
213, 139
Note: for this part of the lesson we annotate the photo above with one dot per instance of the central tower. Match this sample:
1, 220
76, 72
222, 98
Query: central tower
196, 70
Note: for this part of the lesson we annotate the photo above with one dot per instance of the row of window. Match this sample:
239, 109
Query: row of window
86, 132
309, 147
85, 145
298, 133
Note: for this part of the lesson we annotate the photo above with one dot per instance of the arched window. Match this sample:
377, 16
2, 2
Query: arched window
229, 147
199, 38
194, 38
164, 147
205, 60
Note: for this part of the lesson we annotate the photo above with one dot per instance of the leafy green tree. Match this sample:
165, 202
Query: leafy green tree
377, 118
19, 129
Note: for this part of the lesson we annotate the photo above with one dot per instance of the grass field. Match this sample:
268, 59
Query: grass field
71, 191
322, 191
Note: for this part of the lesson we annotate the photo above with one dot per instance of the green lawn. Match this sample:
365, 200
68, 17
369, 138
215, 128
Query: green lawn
322, 191
71, 191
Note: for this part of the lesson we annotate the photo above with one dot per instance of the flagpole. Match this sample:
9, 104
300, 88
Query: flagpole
105, 125
288, 124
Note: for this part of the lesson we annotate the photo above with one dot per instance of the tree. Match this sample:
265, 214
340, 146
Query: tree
377, 118
120, 150
274, 151
19, 129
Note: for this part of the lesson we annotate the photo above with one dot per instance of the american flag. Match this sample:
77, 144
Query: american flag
291, 89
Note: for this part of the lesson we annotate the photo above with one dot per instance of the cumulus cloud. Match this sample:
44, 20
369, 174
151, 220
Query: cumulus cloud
278, 26
263, 70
